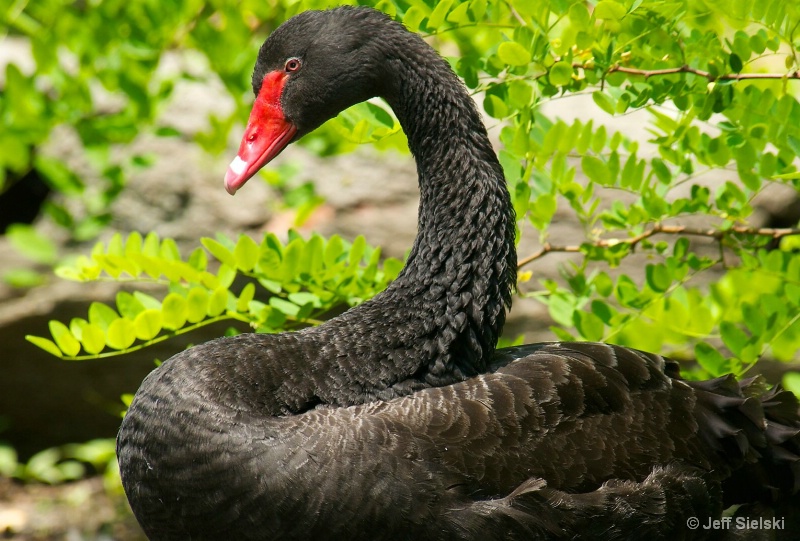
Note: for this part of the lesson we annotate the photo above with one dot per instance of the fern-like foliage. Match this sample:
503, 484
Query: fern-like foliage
286, 285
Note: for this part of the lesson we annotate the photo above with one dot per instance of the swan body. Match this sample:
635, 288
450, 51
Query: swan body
398, 419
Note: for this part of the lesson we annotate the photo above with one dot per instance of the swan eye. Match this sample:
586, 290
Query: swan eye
293, 64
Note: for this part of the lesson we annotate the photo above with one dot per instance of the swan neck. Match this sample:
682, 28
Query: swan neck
463, 262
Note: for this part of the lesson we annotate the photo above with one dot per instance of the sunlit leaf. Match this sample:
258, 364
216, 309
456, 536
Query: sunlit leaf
93, 339
247, 294
101, 315
173, 311
513, 54
561, 73
246, 253
196, 304
219, 251
48, 345
218, 301
121, 333
148, 324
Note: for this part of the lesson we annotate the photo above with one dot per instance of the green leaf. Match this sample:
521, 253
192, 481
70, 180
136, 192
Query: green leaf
795, 175
333, 250
603, 311
59, 176
627, 292
661, 170
589, 325
8, 461
219, 251
128, 305
495, 106
173, 311
93, 339
758, 42
710, 359
115, 246
286, 307
198, 259
579, 15
658, 277
152, 245
561, 309
23, 278
596, 170
413, 18
520, 94
379, 115
603, 102
218, 301
169, 250
121, 334
48, 345
460, 14
196, 304
561, 73
133, 244
735, 63
733, 337
225, 275
247, 294
42, 466
791, 380
148, 324
31, 243
357, 250
514, 54
542, 210
246, 253
76, 326
681, 248
609, 9
101, 315
147, 301
301, 298
754, 319
603, 284
439, 12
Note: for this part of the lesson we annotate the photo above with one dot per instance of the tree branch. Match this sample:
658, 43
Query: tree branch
718, 234
711, 77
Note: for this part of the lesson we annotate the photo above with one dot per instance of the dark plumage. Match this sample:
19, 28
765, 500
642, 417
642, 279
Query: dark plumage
398, 419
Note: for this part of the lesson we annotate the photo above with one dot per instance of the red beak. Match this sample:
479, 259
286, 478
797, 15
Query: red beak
267, 133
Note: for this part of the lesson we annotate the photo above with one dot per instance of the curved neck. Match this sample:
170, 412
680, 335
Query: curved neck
465, 245
439, 321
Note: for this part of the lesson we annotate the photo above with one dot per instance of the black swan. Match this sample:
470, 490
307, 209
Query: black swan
398, 419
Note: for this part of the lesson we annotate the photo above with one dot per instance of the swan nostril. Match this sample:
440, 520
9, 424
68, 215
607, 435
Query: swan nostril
251, 137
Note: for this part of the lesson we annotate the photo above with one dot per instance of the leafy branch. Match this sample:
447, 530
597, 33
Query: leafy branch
708, 75
299, 280
632, 242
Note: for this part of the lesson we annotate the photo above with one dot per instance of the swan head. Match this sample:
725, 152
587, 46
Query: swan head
311, 68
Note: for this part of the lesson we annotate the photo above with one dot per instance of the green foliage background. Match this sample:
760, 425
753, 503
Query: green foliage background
718, 79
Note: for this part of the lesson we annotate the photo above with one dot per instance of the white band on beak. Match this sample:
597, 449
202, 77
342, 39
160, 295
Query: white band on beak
238, 165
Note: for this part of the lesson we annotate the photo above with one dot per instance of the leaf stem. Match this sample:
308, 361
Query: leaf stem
158, 339
718, 234
710, 76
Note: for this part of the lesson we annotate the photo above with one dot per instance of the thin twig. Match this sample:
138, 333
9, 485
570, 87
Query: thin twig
710, 76
718, 234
